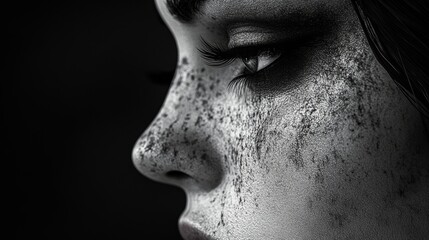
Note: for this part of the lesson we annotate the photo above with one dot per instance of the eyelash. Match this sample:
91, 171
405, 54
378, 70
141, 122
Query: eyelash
217, 56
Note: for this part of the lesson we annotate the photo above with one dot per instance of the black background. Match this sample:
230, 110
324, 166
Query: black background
78, 99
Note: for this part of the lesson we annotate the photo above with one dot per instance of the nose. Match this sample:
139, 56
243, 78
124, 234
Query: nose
171, 152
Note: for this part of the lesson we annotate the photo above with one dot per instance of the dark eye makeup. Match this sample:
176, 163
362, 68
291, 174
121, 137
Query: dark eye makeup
263, 63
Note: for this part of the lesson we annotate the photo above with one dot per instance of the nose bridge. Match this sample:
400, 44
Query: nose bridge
172, 149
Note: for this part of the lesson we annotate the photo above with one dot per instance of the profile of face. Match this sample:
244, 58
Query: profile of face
281, 124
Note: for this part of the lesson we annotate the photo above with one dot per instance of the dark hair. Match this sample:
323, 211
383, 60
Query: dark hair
397, 31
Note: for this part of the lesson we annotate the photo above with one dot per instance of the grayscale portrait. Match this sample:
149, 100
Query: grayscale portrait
295, 119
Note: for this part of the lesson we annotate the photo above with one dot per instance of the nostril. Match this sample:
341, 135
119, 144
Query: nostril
177, 175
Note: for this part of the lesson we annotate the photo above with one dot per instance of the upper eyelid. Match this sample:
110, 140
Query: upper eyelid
223, 55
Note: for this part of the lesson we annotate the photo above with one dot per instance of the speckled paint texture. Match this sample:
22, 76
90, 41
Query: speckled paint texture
335, 152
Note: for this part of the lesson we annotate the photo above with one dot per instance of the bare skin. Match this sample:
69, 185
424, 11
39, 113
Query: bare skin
329, 148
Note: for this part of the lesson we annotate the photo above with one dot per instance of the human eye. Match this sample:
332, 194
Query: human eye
262, 63
260, 60
253, 58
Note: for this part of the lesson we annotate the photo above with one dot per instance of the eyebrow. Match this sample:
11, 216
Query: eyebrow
184, 10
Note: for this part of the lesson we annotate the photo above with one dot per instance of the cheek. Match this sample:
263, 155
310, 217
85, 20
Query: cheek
334, 143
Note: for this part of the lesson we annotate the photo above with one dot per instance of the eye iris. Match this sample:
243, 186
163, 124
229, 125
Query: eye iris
251, 64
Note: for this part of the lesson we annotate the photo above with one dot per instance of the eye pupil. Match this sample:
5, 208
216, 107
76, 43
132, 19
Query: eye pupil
251, 64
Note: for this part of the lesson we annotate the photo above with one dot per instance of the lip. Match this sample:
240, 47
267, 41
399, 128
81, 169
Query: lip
190, 231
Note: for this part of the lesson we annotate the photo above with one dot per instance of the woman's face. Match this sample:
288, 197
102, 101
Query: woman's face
296, 133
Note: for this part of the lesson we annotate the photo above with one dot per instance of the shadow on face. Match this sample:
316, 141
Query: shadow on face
280, 123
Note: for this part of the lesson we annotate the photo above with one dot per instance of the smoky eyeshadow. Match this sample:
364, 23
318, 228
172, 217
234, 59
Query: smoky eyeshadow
287, 72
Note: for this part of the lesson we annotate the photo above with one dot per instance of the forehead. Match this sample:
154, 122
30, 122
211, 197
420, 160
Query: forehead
253, 9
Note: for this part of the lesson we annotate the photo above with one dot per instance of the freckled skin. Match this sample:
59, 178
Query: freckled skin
341, 155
